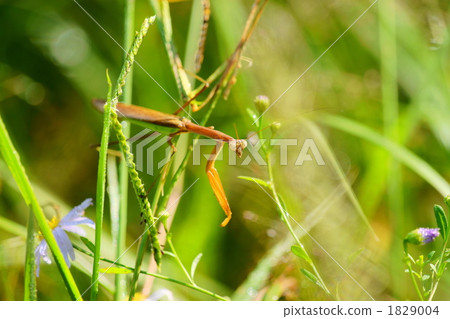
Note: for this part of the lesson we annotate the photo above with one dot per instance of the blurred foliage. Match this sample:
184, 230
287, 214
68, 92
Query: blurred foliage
52, 63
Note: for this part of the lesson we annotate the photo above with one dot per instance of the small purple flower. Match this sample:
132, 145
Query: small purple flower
422, 236
69, 223
428, 234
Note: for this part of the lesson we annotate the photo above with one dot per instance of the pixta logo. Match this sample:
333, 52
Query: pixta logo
147, 142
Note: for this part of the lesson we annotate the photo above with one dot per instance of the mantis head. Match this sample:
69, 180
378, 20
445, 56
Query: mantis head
238, 146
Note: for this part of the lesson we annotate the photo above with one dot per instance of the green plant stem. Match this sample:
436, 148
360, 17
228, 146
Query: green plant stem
159, 276
441, 264
413, 279
117, 127
285, 219
120, 282
12, 159
164, 22
177, 258
143, 243
136, 181
101, 185
30, 263
144, 240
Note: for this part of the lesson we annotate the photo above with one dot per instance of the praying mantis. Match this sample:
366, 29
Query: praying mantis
174, 125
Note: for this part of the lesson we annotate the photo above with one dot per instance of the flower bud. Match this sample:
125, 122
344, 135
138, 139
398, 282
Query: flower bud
262, 102
421, 236
274, 127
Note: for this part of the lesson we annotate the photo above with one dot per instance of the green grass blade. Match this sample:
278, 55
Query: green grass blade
101, 182
12, 227
138, 185
336, 166
402, 154
193, 36
159, 276
12, 159
30, 293
164, 21
128, 156
120, 282
115, 217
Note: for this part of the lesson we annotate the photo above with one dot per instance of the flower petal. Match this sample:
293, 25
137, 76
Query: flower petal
75, 229
41, 252
78, 221
64, 244
76, 213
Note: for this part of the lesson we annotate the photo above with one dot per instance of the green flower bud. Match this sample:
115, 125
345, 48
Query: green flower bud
262, 102
274, 127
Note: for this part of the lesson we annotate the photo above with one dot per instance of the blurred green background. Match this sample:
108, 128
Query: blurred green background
53, 59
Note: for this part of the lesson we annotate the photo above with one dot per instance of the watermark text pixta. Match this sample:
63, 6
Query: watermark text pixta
286, 151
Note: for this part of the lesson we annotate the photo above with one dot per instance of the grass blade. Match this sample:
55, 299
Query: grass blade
12, 160
195, 264
120, 236
110, 116
30, 264
402, 154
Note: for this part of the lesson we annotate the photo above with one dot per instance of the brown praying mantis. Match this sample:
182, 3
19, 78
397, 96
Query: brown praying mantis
173, 125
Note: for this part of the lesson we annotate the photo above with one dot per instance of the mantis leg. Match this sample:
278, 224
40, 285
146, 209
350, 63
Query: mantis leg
171, 136
216, 184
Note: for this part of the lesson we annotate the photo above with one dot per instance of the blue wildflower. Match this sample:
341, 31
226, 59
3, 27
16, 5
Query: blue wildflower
69, 223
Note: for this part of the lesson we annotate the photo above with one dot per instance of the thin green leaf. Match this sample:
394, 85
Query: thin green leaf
12, 227
430, 256
101, 186
115, 270
399, 152
256, 180
329, 153
433, 267
193, 38
441, 220
164, 22
300, 252
90, 245
283, 203
169, 253
311, 277
195, 263
30, 264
